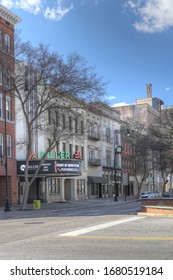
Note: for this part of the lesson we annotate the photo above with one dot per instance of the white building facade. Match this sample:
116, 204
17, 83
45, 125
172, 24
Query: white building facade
87, 146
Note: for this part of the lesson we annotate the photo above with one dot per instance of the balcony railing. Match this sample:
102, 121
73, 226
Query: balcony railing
110, 163
94, 161
94, 136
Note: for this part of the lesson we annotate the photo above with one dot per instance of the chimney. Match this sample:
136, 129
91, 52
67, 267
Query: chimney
149, 90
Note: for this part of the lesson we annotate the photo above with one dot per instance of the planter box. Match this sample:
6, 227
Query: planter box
160, 206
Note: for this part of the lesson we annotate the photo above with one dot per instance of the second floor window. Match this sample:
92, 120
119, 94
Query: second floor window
116, 137
7, 77
82, 127
63, 121
108, 157
8, 108
1, 145
76, 125
7, 43
0, 74
0, 39
9, 146
0, 106
70, 123
108, 135
91, 154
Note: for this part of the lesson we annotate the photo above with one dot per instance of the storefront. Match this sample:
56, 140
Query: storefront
57, 180
97, 187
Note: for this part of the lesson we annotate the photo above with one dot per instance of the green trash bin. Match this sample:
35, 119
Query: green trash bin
37, 204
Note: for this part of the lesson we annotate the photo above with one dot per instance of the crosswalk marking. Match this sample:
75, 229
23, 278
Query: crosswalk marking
100, 226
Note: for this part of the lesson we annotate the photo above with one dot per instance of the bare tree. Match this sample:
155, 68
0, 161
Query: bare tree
161, 132
141, 155
41, 80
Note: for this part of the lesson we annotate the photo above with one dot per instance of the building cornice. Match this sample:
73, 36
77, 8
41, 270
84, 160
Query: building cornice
8, 15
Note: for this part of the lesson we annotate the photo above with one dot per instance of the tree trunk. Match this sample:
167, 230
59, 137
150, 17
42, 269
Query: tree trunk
25, 196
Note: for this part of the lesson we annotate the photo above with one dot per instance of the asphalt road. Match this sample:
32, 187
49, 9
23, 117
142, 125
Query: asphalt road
86, 231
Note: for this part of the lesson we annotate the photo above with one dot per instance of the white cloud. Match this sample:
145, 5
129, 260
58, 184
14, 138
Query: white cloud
111, 97
119, 104
154, 15
167, 88
57, 12
32, 6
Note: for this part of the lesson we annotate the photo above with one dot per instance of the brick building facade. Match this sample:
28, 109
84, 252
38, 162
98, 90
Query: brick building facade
8, 177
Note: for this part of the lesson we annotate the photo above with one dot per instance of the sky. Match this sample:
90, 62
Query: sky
129, 42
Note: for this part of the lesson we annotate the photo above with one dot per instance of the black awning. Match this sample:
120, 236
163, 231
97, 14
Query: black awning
97, 180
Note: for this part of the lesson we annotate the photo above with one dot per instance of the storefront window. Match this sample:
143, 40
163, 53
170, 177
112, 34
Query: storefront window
81, 186
49, 186
53, 186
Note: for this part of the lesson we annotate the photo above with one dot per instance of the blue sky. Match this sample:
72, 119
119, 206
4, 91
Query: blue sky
129, 42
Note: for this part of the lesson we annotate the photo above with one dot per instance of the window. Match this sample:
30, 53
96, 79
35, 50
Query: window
0, 74
116, 137
7, 77
63, 121
9, 146
108, 157
91, 130
57, 147
82, 153
8, 108
108, 137
0, 106
53, 186
81, 186
49, 143
56, 118
0, 39
49, 115
82, 127
70, 123
70, 150
64, 147
91, 154
76, 125
7, 43
1, 144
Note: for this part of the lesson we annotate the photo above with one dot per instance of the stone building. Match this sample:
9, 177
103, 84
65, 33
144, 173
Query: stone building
144, 111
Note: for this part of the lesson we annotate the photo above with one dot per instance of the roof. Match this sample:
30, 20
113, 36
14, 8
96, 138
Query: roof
8, 15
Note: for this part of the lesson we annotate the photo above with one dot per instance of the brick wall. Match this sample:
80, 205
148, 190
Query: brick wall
8, 60
158, 202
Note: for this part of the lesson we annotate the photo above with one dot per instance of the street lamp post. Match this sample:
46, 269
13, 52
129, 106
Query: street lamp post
117, 150
7, 207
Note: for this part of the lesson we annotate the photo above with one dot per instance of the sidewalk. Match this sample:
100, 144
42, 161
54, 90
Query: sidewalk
58, 206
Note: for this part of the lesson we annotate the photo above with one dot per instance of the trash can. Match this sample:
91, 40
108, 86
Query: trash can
37, 204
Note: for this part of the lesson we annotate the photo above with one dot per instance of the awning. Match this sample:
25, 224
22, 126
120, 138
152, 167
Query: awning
97, 180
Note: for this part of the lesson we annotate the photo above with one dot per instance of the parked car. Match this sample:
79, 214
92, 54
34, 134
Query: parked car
167, 194
147, 194
157, 194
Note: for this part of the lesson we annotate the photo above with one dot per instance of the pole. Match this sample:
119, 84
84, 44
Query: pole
153, 171
115, 176
7, 207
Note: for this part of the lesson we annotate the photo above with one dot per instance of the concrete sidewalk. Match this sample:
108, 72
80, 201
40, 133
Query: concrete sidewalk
72, 204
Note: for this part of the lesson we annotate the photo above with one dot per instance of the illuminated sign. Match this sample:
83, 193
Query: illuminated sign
52, 167
60, 155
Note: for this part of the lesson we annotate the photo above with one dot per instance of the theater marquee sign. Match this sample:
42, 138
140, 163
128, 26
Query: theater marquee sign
51, 167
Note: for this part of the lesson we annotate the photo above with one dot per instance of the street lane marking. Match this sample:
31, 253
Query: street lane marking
101, 226
129, 238
132, 238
